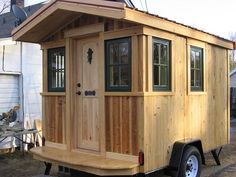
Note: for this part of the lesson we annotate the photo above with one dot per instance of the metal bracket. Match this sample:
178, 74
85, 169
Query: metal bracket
216, 155
48, 168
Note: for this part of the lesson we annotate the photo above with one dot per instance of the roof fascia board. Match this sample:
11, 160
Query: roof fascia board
32, 22
93, 10
118, 12
32, 17
109, 4
156, 22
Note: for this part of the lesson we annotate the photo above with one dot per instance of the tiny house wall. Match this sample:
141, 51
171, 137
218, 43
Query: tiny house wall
142, 119
122, 110
181, 113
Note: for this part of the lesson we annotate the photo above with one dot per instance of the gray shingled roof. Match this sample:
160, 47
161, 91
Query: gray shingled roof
7, 20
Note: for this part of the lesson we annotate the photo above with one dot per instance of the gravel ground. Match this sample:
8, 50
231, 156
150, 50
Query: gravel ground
227, 158
19, 164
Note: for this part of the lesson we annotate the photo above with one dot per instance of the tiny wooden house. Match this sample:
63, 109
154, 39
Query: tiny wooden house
126, 92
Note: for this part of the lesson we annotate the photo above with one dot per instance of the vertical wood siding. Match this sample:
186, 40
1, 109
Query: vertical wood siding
122, 124
185, 115
54, 107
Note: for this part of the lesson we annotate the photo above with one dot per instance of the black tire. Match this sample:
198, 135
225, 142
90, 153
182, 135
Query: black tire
191, 163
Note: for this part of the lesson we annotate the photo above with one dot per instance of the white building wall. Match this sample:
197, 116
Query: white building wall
28, 58
32, 82
11, 56
233, 80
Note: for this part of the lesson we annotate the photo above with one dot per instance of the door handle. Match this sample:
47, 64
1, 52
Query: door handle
90, 93
78, 93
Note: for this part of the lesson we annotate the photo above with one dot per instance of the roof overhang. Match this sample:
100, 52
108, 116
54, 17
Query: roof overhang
59, 13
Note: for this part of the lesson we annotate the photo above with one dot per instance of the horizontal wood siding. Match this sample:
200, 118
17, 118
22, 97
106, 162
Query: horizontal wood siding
122, 122
54, 107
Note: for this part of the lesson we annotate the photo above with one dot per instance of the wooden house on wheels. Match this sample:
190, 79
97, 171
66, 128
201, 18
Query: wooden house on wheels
126, 92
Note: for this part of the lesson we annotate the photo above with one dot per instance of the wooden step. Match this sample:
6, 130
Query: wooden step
90, 163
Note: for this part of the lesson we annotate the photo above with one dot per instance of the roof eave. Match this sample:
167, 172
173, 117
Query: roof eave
107, 9
155, 21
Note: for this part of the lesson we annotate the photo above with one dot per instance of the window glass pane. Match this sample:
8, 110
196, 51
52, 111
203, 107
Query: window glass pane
54, 79
118, 69
114, 76
192, 59
196, 69
161, 65
197, 60
164, 75
124, 76
114, 54
56, 69
63, 79
156, 53
197, 78
124, 48
192, 78
163, 54
156, 75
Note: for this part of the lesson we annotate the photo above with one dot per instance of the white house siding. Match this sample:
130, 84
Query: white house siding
24, 60
11, 57
32, 82
9, 92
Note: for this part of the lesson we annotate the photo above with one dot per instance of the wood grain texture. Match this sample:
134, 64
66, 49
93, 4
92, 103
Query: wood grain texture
54, 107
122, 124
102, 166
142, 119
184, 115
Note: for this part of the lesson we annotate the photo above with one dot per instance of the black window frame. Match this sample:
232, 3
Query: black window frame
168, 87
50, 70
201, 69
108, 87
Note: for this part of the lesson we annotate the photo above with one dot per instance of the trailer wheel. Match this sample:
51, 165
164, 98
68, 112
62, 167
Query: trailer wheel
191, 163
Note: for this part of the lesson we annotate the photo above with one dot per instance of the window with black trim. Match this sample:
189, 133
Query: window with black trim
56, 69
118, 64
196, 68
161, 65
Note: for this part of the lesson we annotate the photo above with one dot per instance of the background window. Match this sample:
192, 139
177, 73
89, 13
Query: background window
196, 57
118, 65
161, 65
56, 70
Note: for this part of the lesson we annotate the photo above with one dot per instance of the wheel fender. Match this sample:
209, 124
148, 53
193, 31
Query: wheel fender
177, 153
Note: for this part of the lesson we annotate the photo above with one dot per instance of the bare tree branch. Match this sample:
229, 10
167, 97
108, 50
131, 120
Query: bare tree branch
6, 4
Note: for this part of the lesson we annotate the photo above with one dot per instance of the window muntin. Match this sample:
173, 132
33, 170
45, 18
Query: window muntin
56, 69
118, 65
161, 65
196, 68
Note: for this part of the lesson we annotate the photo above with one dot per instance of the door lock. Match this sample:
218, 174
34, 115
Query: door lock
78, 93
78, 85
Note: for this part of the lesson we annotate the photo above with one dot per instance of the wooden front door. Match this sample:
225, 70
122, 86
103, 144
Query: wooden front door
88, 94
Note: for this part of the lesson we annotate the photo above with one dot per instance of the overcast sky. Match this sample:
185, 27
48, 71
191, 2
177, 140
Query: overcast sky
214, 16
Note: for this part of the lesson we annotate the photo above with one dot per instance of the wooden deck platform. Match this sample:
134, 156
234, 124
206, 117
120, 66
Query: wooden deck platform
90, 163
